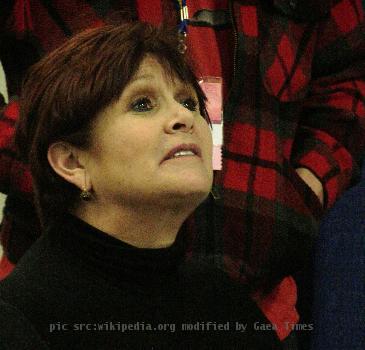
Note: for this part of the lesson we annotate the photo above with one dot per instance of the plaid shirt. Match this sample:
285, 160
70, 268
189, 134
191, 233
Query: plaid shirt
294, 97
296, 100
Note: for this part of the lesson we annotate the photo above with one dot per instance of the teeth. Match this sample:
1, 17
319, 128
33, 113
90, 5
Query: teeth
183, 153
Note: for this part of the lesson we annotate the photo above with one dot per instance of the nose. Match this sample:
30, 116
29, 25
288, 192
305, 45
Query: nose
181, 120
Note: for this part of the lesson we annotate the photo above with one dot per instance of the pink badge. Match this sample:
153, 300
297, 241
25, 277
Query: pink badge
212, 87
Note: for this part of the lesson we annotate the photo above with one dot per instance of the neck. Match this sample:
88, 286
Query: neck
152, 227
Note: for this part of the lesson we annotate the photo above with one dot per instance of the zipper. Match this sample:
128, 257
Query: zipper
235, 38
228, 105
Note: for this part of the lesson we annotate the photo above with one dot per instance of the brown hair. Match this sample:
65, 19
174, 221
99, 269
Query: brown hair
65, 91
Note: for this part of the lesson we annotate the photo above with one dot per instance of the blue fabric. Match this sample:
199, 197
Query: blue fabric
339, 286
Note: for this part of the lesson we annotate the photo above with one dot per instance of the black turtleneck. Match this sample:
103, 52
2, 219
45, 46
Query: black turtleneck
79, 288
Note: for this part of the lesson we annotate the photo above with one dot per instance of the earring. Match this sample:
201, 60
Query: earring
85, 194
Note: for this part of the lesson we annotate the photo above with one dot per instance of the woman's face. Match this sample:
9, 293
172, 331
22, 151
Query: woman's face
152, 146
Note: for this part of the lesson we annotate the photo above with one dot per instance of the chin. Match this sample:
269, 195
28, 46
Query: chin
186, 189
190, 195
186, 202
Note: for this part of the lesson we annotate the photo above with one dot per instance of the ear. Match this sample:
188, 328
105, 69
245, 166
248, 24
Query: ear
64, 160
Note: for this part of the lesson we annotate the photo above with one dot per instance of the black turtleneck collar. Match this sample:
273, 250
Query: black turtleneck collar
113, 259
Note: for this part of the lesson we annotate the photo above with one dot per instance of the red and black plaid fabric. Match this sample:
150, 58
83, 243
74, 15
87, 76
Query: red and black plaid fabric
297, 99
294, 97
31, 28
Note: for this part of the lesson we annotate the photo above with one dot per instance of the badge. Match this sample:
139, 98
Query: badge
212, 87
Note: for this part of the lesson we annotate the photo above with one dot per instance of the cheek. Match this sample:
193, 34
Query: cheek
127, 142
122, 149
137, 149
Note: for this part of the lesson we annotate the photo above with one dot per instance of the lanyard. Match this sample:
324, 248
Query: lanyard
183, 24
184, 15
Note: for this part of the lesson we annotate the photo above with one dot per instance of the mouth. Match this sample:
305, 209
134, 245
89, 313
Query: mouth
183, 150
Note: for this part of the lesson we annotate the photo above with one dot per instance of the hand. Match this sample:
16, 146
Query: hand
312, 181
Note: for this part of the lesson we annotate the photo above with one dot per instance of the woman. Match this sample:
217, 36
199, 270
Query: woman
115, 129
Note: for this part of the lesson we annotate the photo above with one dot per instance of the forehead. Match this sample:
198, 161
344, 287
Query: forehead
151, 70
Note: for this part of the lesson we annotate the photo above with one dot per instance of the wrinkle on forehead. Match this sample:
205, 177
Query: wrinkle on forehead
144, 72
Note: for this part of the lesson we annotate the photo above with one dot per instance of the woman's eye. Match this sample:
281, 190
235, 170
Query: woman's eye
190, 103
143, 104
